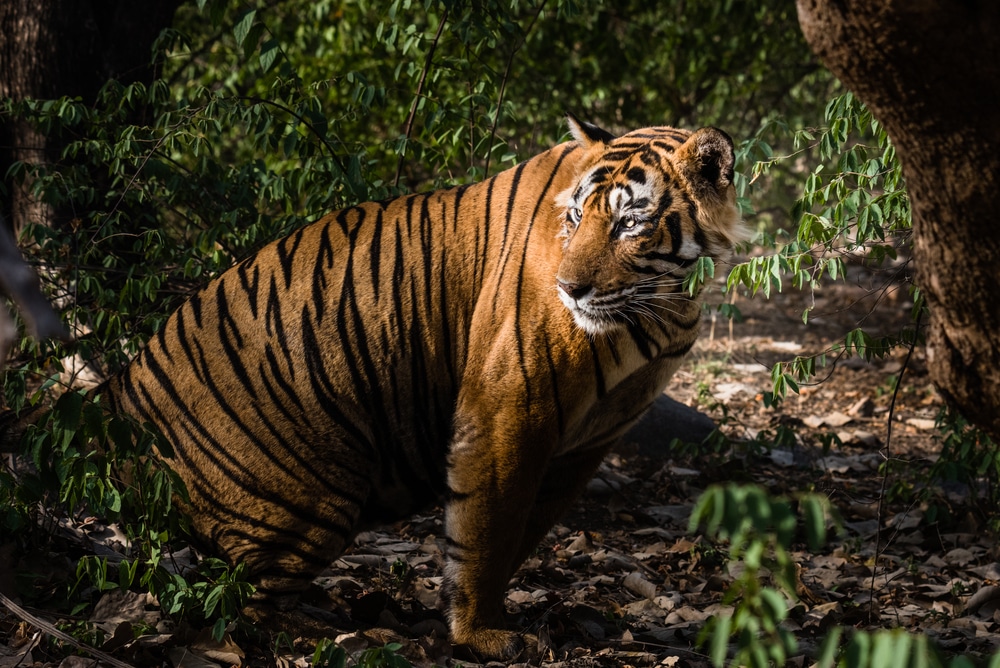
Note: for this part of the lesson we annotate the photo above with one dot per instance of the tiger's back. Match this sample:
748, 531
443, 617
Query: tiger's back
483, 345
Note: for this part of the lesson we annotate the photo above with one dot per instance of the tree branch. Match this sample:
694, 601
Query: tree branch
503, 87
312, 129
416, 97
872, 615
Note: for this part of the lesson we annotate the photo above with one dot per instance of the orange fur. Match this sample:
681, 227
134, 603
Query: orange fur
483, 346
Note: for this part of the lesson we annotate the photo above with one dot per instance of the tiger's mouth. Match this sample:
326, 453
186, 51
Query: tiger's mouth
599, 314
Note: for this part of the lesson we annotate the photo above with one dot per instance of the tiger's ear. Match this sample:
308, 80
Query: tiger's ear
707, 158
587, 134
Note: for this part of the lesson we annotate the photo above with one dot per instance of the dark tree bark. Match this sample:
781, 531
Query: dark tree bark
930, 72
55, 48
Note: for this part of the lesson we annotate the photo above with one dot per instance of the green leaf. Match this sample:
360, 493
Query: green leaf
269, 51
67, 411
993, 663
828, 650
721, 630
774, 604
858, 651
815, 521
93, 419
219, 629
243, 25
120, 433
889, 649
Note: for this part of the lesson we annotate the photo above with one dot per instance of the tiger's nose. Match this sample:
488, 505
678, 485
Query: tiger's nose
574, 290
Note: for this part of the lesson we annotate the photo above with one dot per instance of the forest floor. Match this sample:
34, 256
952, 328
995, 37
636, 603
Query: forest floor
622, 581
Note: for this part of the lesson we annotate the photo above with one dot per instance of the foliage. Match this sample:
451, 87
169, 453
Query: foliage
968, 457
760, 531
106, 463
382, 657
83, 457
853, 207
331, 655
295, 109
889, 649
213, 594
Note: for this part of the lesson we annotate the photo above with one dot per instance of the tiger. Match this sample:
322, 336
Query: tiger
482, 347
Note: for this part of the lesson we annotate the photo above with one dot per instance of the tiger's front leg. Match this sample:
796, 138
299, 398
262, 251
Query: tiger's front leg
494, 483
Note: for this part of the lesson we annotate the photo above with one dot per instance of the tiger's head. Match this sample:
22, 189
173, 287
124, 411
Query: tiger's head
641, 211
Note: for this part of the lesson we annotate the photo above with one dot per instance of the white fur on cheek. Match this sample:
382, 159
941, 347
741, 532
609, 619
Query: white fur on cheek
689, 250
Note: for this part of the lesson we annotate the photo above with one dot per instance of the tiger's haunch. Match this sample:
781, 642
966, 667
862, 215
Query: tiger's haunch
483, 346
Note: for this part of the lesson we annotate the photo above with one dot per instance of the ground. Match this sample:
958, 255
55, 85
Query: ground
622, 580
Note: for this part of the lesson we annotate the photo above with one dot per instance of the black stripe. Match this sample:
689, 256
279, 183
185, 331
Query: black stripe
427, 251
424, 437
487, 222
323, 390
682, 262
640, 339
673, 221
274, 381
375, 254
444, 306
231, 340
398, 276
195, 304
511, 199
324, 263
275, 327
599, 383
286, 256
249, 287
678, 351
663, 145
600, 175
456, 202
410, 202
554, 375
192, 427
161, 339
297, 543
618, 154
637, 175
239, 426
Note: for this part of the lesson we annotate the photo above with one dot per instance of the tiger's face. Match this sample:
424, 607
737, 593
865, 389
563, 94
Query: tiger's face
643, 209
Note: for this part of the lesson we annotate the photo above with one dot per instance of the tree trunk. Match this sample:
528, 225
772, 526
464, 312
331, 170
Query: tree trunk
54, 48
930, 72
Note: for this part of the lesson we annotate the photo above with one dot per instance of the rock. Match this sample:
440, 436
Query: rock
666, 420
922, 424
863, 407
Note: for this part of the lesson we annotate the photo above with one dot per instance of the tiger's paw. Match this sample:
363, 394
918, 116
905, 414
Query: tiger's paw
498, 644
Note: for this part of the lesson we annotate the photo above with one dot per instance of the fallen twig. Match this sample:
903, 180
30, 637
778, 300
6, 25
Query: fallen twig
51, 630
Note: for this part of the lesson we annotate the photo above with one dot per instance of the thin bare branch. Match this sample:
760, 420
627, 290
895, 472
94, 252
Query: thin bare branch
503, 87
408, 130
872, 614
